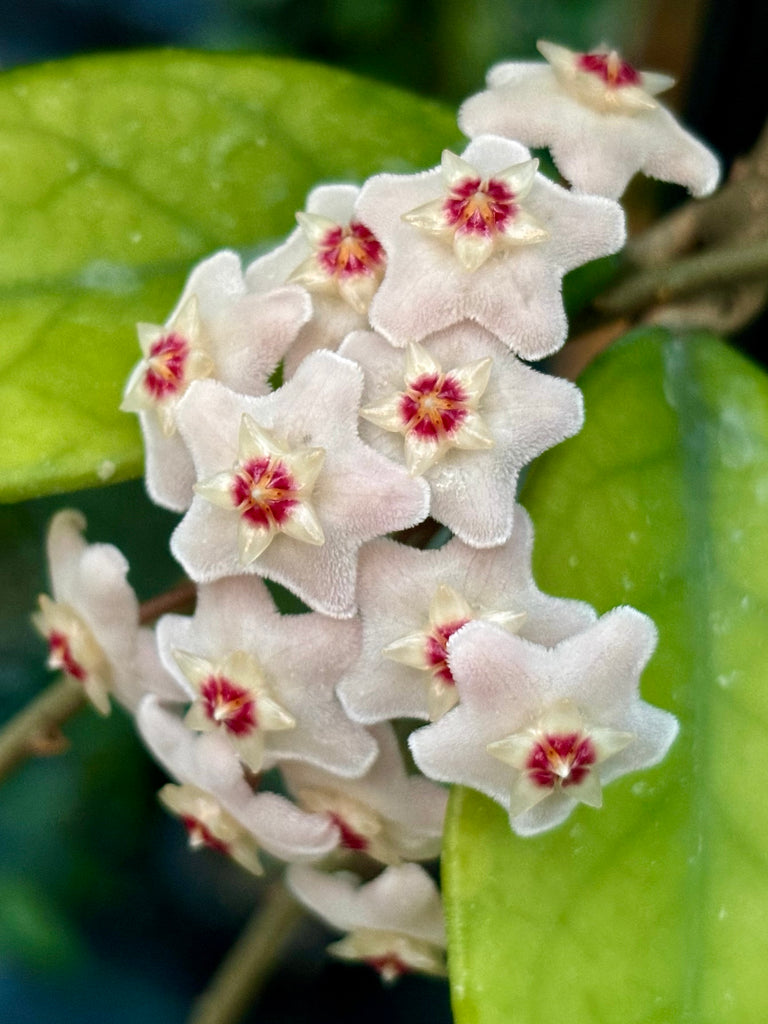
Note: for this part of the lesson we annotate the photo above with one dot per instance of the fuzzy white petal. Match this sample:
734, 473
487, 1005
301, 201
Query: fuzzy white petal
398, 590
515, 294
598, 151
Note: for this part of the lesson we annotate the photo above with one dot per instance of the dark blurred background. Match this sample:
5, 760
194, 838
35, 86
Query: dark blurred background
440, 48
104, 916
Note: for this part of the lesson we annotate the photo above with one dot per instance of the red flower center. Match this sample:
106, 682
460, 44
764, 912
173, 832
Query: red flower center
433, 406
562, 758
229, 705
389, 965
264, 492
610, 68
200, 835
60, 656
480, 207
350, 839
166, 363
437, 646
350, 251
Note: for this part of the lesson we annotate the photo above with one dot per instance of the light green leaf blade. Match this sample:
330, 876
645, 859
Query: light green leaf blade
653, 910
117, 174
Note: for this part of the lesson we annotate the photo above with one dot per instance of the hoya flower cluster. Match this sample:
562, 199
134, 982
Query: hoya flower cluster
402, 315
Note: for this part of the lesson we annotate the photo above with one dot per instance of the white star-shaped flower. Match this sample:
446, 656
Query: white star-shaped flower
597, 115
455, 252
387, 814
464, 413
395, 922
92, 624
411, 604
265, 682
356, 493
217, 805
541, 729
336, 257
217, 330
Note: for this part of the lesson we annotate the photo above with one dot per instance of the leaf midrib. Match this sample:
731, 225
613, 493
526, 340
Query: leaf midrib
680, 378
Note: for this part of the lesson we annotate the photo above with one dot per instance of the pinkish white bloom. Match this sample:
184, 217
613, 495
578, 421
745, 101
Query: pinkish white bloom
411, 604
465, 414
335, 256
217, 330
599, 117
395, 922
541, 729
217, 805
265, 682
387, 814
456, 251
313, 491
91, 625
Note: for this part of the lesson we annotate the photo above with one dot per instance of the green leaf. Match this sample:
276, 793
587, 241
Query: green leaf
33, 930
117, 174
653, 910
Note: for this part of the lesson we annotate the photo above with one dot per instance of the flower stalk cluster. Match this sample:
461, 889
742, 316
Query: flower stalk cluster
403, 314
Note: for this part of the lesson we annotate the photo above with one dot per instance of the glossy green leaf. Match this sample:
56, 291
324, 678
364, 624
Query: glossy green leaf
653, 910
116, 175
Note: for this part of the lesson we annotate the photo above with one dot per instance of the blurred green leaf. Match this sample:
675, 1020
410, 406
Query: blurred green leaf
655, 909
33, 930
117, 173
582, 285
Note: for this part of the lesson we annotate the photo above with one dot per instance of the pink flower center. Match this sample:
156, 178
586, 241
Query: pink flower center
480, 207
350, 839
229, 705
437, 647
165, 369
433, 406
199, 835
564, 758
613, 71
350, 251
264, 492
60, 656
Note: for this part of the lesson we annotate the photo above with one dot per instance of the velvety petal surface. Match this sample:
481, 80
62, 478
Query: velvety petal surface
599, 152
358, 495
402, 899
523, 411
397, 586
207, 763
514, 295
504, 682
301, 657
407, 810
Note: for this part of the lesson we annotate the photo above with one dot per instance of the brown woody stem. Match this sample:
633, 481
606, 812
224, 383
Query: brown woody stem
25, 734
250, 961
706, 270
